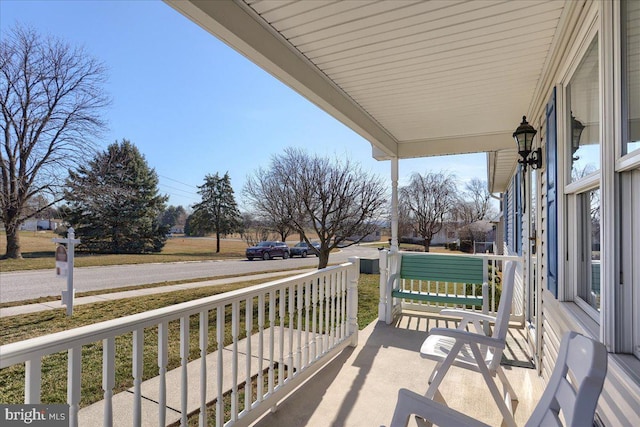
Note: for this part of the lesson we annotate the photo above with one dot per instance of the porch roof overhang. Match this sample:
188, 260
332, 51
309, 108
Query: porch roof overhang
414, 78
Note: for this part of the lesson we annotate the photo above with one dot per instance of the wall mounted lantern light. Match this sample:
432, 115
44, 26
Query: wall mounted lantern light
576, 131
524, 138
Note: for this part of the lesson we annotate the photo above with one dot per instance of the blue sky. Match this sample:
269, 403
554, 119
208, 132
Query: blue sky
192, 105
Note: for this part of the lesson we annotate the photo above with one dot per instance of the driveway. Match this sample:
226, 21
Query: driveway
23, 285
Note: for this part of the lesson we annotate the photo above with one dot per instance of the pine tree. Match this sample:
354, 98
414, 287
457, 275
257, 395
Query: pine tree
218, 211
114, 203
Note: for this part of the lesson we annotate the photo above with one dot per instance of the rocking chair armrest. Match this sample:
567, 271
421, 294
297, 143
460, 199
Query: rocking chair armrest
410, 403
468, 337
467, 315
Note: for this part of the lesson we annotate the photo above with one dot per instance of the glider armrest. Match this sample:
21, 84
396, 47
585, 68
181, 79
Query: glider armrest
467, 315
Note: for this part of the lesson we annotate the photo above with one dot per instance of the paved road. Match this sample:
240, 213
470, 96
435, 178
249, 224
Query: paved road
23, 285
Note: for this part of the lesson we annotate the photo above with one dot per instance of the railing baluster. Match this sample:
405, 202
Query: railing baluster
343, 284
260, 347
299, 308
291, 292
321, 331
315, 289
184, 360
272, 331
74, 383
108, 377
328, 308
281, 311
220, 343
204, 342
33, 380
163, 358
337, 308
138, 360
248, 386
235, 310
307, 302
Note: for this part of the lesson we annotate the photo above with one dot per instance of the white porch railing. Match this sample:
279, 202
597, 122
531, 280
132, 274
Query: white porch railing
389, 305
299, 323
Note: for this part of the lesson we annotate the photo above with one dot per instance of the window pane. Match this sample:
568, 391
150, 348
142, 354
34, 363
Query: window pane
589, 262
584, 108
632, 15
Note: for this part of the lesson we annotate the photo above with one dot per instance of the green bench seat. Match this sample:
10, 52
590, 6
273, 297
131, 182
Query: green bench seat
446, 269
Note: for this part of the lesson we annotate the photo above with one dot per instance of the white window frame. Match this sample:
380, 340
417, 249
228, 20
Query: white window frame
574, 190
630, 160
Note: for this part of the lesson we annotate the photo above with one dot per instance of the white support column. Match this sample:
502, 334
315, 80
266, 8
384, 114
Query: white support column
384, 274
352, 300
394, 204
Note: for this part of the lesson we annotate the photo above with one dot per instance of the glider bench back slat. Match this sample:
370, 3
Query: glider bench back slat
444, 269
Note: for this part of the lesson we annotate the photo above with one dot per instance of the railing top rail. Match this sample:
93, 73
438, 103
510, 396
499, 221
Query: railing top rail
21, 351
487, 256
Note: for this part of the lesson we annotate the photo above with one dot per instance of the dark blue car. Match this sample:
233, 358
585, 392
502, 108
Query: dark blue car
302, 249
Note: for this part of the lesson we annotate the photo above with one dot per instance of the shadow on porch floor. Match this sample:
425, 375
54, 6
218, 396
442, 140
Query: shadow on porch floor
359, 387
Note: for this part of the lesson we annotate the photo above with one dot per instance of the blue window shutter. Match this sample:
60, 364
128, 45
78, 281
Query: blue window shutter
518, 212
552, 207
505, 213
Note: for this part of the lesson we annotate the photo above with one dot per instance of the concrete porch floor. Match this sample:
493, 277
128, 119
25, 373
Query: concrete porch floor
359, 387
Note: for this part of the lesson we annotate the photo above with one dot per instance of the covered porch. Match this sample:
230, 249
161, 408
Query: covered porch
415, 79
360, 386
431, 78
295, 341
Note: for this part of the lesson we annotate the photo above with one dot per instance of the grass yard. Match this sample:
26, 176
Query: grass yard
38, 252
54, 367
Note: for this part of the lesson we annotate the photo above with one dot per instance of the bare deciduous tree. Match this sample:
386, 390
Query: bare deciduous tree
265, 191
51, 96
428, 199
336, 199
474, 203
253, 229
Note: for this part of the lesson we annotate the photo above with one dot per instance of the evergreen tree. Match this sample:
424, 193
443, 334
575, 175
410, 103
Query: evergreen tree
114, 204
218, 211
173, 215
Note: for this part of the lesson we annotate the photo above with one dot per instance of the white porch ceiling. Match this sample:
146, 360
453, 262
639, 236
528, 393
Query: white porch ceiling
414, 78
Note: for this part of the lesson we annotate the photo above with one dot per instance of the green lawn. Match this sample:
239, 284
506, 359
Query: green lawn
18, 328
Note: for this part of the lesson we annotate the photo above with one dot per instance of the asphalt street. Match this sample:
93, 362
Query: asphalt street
23, 285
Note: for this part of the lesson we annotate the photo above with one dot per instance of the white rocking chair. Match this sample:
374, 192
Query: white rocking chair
475, 350
573, 390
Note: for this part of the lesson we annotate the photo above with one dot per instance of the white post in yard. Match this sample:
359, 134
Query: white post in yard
67, 296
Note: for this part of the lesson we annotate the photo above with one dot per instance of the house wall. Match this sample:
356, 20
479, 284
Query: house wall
617, 321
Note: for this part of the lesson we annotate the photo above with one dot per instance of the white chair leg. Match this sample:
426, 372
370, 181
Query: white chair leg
441, 370
507, 415
507, 385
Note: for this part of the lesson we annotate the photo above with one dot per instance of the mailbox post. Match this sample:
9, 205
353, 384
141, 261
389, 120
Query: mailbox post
70, 241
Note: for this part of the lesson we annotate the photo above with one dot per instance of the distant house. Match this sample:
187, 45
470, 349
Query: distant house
177, 229
34, 224
374, 236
